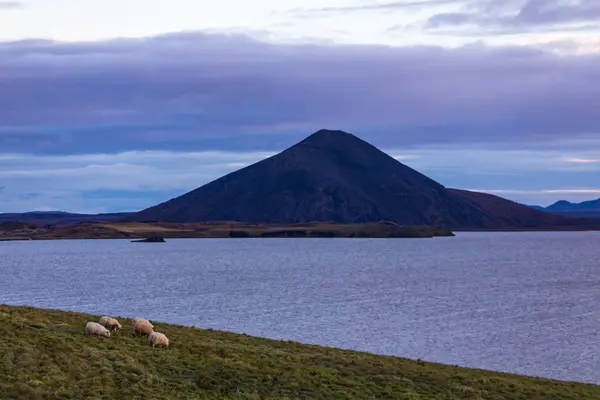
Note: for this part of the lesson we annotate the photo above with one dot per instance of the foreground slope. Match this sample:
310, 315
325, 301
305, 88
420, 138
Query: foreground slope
335, 176
45, 355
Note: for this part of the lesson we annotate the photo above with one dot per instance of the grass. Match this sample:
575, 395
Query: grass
44, 354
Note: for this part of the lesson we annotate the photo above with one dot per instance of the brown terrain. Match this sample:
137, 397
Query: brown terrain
136, 230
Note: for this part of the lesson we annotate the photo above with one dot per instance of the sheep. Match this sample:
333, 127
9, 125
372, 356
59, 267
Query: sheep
110, 323
136, 320
142, 327
158, 339
94, 328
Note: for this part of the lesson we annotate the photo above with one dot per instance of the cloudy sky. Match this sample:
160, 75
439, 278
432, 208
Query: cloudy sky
113, 105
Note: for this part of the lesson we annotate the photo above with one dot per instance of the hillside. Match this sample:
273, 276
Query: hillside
335, 176
595, 214
46, 355
505, 214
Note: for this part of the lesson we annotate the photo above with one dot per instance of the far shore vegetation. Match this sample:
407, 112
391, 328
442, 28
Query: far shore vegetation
136, 230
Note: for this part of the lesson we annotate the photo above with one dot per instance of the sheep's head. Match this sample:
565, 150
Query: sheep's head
107, 333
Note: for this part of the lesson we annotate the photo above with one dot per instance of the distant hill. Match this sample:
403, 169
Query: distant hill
335, 176
586, 209
563, 205
59, 217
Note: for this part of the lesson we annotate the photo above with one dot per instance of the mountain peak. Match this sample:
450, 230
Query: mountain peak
328, 135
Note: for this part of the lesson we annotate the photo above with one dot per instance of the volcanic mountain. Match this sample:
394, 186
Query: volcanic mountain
335, 176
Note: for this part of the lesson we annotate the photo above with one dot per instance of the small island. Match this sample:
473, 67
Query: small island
151, 239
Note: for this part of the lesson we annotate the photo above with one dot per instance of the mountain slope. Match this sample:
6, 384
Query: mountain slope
501, 213
331, 176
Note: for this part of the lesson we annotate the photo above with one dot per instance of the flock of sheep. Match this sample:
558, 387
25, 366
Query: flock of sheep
139, 326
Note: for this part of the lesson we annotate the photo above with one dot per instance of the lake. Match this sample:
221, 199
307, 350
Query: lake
518, 302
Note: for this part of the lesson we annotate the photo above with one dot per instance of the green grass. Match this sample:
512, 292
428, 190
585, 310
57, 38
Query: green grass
44, 354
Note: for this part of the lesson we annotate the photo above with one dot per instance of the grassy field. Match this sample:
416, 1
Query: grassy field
44, 354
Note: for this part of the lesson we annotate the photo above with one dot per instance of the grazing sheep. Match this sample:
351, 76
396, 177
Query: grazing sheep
157, 339
95, 329
136, 320
110, 323
141, 327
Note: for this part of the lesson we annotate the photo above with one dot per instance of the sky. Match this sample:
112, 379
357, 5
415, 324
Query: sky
110, 106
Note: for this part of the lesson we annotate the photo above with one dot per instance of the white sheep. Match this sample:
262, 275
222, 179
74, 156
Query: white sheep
95, 329
141, 326
136, 320
158, 339
110, 323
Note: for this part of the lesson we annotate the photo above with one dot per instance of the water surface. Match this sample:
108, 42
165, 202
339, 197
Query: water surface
518, 302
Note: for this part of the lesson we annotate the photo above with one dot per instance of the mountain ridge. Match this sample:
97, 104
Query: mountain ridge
584, 209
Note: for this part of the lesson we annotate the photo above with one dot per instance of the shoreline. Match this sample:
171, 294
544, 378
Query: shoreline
237, 230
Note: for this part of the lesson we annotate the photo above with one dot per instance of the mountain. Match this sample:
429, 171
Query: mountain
335, 176
586, 209
563, 205
59, 217
330, 176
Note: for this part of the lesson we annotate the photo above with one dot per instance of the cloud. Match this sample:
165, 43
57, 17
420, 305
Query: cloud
11, 5
582, 160
587, 191
509, 17
379, 6
109, 182
230, 92
137, 179
127, 123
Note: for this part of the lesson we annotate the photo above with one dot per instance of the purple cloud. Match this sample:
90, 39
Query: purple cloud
232, 92
495, 17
